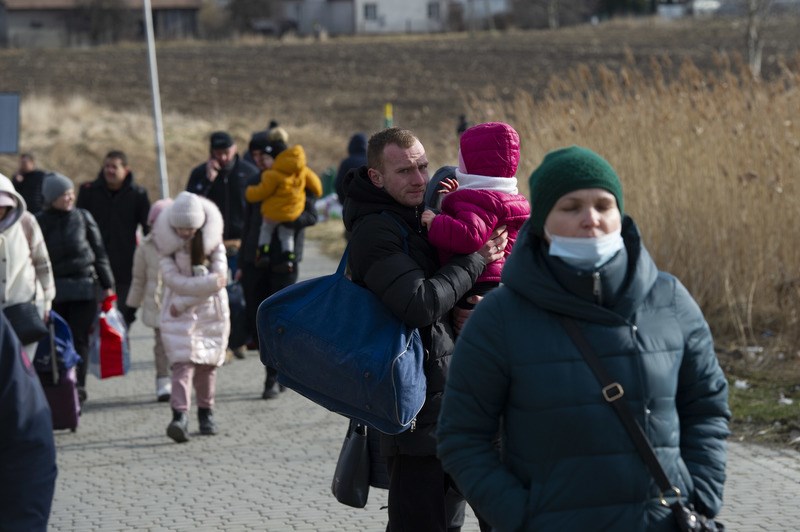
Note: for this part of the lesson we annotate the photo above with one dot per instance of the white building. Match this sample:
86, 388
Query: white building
349, 17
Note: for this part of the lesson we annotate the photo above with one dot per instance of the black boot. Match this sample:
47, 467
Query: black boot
271, 388
178, 429
206, 418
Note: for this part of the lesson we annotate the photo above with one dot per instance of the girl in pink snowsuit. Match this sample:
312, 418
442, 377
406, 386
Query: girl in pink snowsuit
484, 198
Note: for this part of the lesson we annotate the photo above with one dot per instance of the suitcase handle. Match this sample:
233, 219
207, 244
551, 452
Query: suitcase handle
53, 352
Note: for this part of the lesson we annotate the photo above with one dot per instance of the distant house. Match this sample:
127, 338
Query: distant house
351, 17
38, 23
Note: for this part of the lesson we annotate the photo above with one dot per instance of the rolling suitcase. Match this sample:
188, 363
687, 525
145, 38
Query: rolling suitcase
60, 384
61, 390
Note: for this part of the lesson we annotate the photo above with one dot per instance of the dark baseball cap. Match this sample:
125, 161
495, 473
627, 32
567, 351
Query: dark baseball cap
220, 140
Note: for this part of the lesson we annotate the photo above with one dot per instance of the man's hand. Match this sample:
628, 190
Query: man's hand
212, 169
238, 275
460, 315
222, 281
427, 217
494, 248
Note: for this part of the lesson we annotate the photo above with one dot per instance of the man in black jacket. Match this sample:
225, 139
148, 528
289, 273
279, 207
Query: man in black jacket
404, 272
119, 206
28, 182
222, 179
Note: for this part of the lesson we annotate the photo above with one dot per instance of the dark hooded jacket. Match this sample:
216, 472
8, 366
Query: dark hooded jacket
27, 450
356, 157
227, 193
566, 461
30, 188
118, 214
412, 284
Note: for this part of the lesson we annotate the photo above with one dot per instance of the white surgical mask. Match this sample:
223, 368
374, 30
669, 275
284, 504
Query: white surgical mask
586, 253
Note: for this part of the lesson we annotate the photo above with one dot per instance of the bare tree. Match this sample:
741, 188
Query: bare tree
757, 14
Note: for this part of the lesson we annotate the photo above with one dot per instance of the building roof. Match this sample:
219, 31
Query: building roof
27, 5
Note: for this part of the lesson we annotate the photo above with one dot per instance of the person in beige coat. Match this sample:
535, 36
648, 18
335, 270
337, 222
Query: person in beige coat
195, 319
26, 273
145, 292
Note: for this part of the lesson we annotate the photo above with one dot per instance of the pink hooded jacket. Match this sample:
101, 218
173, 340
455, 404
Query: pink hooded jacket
486, 197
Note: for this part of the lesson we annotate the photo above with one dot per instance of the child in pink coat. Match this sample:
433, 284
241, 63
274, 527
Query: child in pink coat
195, 317
484, 197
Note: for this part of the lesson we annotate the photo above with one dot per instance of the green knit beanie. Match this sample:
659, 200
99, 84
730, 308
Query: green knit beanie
563, 171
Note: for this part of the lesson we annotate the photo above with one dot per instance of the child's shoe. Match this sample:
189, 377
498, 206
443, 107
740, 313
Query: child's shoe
262, 256
178, 429
206, 418
163, 389
287, 264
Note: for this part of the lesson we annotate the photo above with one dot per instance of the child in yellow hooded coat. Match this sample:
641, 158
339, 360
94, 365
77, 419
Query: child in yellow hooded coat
282, 193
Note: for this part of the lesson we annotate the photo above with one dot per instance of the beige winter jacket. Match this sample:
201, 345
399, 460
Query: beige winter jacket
146, 291
25, 268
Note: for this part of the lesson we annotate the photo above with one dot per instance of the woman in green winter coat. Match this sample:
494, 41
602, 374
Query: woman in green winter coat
565, 461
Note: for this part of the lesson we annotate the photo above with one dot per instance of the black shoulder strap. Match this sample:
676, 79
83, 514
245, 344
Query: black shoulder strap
612, 393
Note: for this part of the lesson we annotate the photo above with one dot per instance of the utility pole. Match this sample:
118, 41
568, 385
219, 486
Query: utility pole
159, 127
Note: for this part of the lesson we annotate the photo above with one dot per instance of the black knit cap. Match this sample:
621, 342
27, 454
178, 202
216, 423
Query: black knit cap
274, 147
563, 171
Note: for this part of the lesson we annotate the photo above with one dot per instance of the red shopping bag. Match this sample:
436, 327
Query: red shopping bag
109, 354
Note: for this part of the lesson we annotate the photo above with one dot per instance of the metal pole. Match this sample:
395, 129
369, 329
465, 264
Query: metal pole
159, 127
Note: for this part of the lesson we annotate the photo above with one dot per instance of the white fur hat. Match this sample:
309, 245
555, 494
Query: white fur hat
187, 212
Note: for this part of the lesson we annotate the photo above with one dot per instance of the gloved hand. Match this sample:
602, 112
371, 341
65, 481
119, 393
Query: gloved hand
128, 314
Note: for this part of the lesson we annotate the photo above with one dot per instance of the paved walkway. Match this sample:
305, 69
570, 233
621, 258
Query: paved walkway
270, 467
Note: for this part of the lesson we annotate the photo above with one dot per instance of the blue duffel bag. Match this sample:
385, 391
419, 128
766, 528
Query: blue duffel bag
334, 342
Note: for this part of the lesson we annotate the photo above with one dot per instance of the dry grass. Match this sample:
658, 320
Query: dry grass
85, 131
330, 236
710, 166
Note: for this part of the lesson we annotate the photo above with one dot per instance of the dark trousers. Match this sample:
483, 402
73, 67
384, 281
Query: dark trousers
122, 295
417, 494
80, 316
258, 284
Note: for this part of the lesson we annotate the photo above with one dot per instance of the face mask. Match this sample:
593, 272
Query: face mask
586, 253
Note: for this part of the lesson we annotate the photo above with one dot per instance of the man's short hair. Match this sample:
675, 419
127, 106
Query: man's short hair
377, 142
118, 154
27, 155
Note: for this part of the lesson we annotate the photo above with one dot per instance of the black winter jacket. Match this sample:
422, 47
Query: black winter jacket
227, 193
117, 213
76, 253
412, 284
